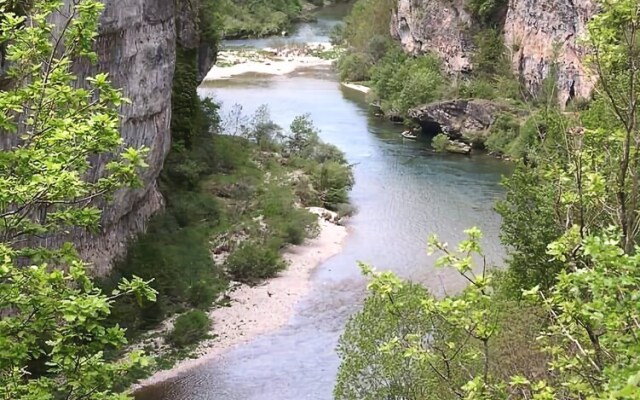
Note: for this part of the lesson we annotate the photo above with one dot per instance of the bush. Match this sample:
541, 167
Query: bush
400, 82
189, 329
354, 67
333, 181
440, 143
345, 210
487, 12
252, 262
478, 88
504, 131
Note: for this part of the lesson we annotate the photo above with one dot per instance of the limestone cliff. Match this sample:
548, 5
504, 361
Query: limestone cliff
137, 47
535, 33
541, 31
439, 26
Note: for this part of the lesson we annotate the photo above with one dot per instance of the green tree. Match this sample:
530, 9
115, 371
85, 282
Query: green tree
454, 347
52, 333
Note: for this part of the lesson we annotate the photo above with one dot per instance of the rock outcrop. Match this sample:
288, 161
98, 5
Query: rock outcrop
439, 26
541, 32
464, 120
537, 33
136, 45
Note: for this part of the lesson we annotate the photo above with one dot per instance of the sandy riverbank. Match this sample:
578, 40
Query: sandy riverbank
269, 61
261, 309
356, 87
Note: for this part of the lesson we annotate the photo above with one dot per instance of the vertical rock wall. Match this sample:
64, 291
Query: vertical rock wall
137, 46
541, 32
439, 26
536, 33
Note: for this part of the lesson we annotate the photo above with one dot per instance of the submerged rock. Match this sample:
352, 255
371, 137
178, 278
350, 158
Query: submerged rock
457, 147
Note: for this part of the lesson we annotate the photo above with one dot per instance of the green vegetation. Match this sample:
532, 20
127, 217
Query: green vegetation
400, 81
243, 200
561, 321
234, 187
243, 19
189, 328
53, 329
440, 142
488, 12
252, 262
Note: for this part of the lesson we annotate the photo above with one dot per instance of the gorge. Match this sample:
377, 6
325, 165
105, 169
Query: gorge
138, 42
246, 157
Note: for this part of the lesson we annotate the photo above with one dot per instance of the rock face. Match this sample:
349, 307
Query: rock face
439, 26
458, 119
533, 30
539, 31
137, 47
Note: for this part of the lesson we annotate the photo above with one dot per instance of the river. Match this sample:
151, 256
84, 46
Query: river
403, 192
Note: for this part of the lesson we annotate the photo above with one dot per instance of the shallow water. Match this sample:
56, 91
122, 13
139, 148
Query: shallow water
403, 192
308, 32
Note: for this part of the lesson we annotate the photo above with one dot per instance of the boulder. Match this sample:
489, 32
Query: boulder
464, 120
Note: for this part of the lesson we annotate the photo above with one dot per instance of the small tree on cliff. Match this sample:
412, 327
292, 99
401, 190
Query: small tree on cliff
54, 127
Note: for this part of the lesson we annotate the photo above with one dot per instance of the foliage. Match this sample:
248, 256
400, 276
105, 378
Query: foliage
354, 67
367, 372
456, 347
615, 58
440, 142
331, 176
402, 82
189, 328
503, 132
258, 18
53, 332
367, 21
488, 12
490, 58
405, 343
252, 262
528, 225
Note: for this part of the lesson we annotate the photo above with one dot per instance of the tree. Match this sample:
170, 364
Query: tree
454, 347
52, 333
614, 38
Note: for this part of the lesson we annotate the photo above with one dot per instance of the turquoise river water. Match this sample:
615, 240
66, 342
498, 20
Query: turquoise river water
404, 192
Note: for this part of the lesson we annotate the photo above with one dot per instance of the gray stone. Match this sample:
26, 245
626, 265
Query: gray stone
459, 119
537, 33
136, 45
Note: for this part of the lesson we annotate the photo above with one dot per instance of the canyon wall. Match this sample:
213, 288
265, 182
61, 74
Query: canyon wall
137, 46
536, 33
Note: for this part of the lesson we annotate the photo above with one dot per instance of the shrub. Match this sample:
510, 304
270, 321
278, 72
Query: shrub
333, 181
345, 210
252, 262
504, 131
189, 329
336, 35
354, 67
440, 142
401, 82
479, 88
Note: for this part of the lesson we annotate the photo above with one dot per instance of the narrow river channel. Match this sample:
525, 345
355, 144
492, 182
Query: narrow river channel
403, 193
